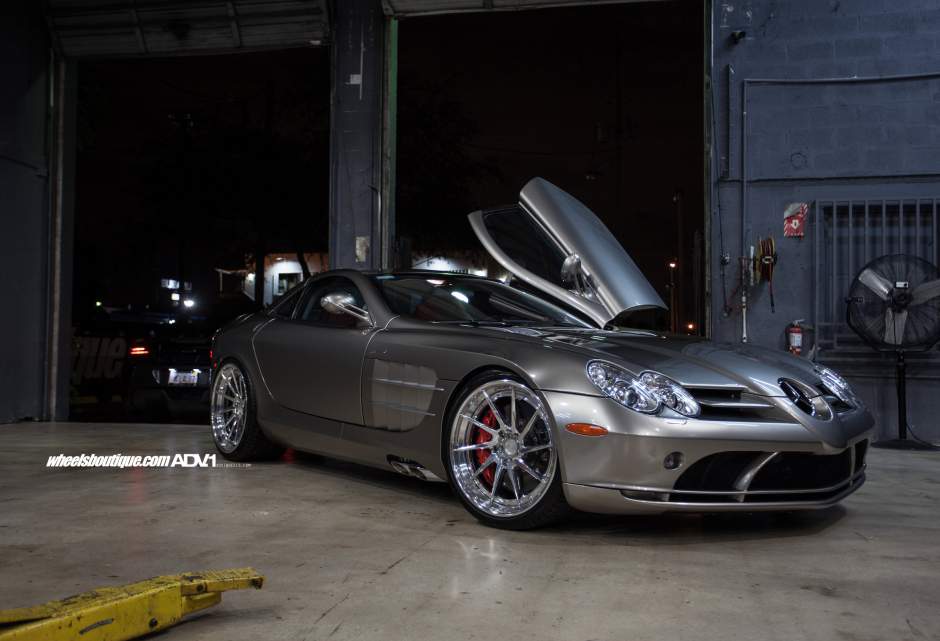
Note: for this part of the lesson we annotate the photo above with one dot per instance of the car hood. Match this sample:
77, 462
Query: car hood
690, 361
707, 368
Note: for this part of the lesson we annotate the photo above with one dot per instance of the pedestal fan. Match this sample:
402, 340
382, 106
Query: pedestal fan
894, 306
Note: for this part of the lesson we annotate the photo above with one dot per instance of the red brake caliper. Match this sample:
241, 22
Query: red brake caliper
481, 436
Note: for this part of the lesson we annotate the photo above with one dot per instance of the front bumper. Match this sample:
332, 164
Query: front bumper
726, 465
601, 500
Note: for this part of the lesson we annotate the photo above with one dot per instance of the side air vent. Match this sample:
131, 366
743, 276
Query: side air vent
408, 467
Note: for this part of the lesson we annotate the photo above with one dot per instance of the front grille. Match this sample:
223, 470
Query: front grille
804, 471
716, 472
723, 404
788, 476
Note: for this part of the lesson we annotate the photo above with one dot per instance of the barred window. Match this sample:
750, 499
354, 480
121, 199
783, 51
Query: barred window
849, 234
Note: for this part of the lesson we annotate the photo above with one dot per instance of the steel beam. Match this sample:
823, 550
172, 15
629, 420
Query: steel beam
357, 224
61, 249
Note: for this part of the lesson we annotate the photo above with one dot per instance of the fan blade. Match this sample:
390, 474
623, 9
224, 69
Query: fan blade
878, 284
925, 291
894, 326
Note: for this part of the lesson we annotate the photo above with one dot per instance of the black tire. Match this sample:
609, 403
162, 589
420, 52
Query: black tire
254, 444
551, 507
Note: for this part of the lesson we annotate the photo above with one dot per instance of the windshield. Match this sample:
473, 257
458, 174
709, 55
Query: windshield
452, 299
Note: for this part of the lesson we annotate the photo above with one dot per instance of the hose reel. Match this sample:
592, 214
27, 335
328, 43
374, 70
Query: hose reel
763, 263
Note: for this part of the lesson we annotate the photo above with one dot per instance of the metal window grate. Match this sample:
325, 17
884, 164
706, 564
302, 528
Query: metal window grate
849, 234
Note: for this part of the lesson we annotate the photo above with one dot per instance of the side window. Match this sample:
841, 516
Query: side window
526, 243
285, 307
312, 309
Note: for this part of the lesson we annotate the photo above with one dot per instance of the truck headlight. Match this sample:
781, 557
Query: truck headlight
648, 393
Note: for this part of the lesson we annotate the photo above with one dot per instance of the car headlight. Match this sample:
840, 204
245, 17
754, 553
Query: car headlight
836, 384
617, 384
648, 393
670, 393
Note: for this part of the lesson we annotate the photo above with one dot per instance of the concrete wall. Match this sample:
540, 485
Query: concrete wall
24, 209
806, 142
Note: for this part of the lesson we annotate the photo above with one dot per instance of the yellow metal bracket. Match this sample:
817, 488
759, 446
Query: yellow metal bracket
125, 612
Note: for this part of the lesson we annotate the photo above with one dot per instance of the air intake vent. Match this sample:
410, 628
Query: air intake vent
837, 404
735, 405
807, 399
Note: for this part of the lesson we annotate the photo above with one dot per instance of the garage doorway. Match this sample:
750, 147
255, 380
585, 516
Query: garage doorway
604, 101
202, 192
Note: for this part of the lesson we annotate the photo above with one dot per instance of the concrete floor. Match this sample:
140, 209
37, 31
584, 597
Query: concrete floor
353, 553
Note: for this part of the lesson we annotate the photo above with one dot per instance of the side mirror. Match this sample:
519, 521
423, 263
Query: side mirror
574, 278
570, 270
344, 303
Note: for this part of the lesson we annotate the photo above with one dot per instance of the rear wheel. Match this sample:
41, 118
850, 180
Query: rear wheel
501, 456
235, 429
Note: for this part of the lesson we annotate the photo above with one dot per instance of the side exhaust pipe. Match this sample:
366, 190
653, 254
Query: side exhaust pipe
413, 468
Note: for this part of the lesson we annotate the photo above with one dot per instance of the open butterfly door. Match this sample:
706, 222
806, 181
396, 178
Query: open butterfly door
556, 244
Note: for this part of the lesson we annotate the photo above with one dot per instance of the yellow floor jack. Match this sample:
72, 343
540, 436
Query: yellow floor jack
125, 612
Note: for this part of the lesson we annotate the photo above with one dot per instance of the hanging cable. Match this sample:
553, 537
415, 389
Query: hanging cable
765, 260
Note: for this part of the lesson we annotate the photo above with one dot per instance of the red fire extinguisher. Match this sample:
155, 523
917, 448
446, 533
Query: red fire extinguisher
795, 337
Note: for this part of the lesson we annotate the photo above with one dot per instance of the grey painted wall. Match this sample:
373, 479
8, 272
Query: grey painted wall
24, 216
807, 142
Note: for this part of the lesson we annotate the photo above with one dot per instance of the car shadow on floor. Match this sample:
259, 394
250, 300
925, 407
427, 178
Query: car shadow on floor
657, 529
682, 529
385, 479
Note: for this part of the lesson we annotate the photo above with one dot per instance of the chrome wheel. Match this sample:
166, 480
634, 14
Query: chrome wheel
502, 456
229, 408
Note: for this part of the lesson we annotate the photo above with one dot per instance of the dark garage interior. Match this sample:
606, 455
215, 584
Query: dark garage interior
618, 86
673, 378
187, 170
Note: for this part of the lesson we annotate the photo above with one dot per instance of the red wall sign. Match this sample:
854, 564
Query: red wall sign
794, 219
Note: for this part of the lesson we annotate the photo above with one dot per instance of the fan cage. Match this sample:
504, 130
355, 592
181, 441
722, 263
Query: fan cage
848, 234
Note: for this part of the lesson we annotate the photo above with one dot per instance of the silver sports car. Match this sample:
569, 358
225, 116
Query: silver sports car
531, 399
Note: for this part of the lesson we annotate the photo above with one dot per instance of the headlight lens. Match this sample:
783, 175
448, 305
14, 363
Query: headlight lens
646, 394
670, 393
836, 384
617, 384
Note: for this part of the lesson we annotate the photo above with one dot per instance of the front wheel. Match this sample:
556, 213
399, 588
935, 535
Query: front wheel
501, 456
235, 429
